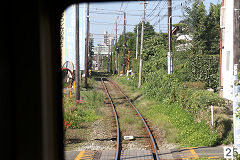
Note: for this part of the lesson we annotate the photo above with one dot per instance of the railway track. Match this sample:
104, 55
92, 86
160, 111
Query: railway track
149, 134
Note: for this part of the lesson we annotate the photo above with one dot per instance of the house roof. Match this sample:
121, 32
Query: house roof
185, 37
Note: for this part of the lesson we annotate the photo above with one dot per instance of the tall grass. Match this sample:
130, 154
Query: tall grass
87, 111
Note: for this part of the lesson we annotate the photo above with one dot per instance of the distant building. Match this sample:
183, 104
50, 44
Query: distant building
102, 50
184, 39
107, 39
187, 39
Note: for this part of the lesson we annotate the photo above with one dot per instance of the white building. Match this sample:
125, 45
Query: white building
228, 42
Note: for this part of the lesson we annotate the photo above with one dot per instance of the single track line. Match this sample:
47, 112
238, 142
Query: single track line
153, 144
118, 153
152, 141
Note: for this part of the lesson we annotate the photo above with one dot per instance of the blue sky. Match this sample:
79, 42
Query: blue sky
104, 15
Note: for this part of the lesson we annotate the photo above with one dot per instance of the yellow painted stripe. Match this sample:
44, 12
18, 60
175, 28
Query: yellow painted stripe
194, 153
80, 155
88, 154
213, 157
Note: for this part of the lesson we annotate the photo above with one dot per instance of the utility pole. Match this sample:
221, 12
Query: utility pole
170, 59
159, 21
129, 53
108, 54
124, 43
100, 66
236, 58
98, 59
77, 77
141, 48
220, 55
137, 44
87, 48
236, 32
116, 51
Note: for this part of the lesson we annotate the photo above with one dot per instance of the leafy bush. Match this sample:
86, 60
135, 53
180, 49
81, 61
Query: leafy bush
190, 133
195, 100
190, 67
196, 85
161, 86
237, 156
204, 68
225, 130
168, 88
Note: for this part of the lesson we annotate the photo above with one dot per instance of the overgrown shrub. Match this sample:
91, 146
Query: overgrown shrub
161, 86
190, 133
204, 68
168, 88
195, 100
191, 67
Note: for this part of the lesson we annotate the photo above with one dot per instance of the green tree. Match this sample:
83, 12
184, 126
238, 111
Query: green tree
130, 41
131, 44
204, 27
213, 29
196, 19
148, 30
154, 45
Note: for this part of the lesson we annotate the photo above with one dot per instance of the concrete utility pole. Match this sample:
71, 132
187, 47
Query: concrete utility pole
220, 57
87, 48
236, 32
129, 53
170, 59
110, 56
141, 49
124, 43
116, 52
159, 22
98, 59
77, 77
137, 44
236, 58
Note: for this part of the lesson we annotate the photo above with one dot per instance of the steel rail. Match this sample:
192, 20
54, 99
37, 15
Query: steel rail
117, 156
154, 146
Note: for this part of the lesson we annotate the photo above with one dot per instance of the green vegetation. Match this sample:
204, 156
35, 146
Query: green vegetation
238, 109
204, 27
180, 103
87, 111
180, 124
189, 132
237, 157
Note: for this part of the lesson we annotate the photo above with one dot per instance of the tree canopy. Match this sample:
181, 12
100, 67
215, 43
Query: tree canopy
204, 27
